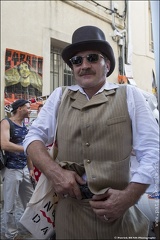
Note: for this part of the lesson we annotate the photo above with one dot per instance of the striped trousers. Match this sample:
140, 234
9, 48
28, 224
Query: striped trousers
75, 219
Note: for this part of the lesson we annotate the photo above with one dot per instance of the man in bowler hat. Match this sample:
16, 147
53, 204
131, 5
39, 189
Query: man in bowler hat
98, 125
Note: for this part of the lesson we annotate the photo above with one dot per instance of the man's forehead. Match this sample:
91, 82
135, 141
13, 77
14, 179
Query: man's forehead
23, 65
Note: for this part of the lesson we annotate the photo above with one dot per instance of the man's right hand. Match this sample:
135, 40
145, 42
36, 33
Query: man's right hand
65, 183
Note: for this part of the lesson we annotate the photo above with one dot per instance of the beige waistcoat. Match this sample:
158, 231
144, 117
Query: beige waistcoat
95, 136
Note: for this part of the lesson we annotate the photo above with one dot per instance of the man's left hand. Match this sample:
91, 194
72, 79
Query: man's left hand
110, 205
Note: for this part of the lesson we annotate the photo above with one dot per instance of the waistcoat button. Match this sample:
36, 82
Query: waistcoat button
88, 161
87, 144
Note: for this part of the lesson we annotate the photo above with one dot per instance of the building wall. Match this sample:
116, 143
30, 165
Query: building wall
142, 58
31, 26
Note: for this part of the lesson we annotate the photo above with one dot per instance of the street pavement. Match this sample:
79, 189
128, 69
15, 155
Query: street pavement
23, 233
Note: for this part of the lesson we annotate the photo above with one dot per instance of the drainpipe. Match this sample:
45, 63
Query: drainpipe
113, 17
120, 35
130, 48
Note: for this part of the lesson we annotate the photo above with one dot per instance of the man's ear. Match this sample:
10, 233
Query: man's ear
19, 108
108, 65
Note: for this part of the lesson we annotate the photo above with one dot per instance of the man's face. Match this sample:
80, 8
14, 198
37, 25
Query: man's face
91, 74
26, 110
24, 70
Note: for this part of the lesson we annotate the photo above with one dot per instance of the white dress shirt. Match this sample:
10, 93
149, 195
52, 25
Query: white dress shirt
145, 130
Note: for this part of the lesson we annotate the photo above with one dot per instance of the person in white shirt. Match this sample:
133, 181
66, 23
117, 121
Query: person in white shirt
99, 123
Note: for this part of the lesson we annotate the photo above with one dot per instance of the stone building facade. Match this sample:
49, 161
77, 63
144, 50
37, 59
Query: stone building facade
44, 28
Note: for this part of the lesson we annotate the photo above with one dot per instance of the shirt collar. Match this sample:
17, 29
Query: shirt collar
106, 86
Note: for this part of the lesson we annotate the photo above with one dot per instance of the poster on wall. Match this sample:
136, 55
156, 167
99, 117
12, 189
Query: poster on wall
23, 76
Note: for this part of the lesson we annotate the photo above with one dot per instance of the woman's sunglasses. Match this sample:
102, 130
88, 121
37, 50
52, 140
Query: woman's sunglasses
91, 58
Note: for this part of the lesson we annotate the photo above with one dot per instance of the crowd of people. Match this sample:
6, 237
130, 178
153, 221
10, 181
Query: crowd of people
97, 127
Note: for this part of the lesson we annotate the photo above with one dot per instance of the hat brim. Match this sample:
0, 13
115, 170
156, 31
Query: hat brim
97, 45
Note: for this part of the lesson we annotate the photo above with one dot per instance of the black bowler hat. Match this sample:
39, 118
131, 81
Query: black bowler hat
89, 38
18, 103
